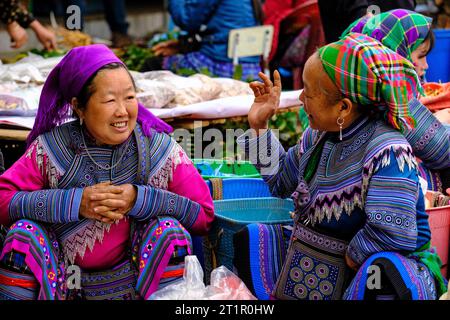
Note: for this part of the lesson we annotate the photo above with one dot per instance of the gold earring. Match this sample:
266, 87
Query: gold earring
340, 122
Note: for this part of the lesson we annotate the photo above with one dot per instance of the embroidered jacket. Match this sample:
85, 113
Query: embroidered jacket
365, 189
47, 184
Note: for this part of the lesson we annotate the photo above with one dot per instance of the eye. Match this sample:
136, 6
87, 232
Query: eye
131, 97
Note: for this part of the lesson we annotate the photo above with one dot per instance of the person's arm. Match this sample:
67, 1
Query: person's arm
430, 139
22, 195
44, 35
187, 199
189, 15
391, 214
13, 11
278, 168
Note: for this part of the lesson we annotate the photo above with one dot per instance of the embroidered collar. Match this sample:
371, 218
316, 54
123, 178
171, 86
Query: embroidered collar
92, 142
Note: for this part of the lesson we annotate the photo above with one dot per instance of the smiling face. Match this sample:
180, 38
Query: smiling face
321, 113
419, 58
111, 111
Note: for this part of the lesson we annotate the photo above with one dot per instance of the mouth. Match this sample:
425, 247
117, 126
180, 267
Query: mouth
121, 126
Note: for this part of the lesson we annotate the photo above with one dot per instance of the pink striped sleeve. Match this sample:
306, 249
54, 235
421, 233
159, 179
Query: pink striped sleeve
23, 175
187, 182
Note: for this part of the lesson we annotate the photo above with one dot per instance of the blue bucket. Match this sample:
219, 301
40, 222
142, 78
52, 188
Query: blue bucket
439, 57
234, 214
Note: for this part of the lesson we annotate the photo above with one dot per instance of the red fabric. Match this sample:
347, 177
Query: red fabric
297, 11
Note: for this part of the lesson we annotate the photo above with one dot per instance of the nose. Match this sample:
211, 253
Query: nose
121, 109
301, 97
425, 65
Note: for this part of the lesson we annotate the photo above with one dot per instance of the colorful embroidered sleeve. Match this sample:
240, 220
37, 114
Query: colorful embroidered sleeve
391, 212
21, 194
430, 139
12, 10
278, 168
188, 200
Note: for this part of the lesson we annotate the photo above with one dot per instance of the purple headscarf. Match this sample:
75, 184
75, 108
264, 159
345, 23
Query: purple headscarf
67, 79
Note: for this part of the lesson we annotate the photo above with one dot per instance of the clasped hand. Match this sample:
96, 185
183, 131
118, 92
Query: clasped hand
106, 202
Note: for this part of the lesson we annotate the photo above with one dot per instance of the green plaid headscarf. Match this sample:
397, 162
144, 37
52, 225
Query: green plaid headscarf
400, 30
368, 73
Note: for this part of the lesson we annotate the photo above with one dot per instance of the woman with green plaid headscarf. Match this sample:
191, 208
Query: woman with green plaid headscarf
409, 34
406, 32
353, 178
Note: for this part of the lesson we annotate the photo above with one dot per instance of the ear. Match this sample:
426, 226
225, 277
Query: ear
347, 107
76, 109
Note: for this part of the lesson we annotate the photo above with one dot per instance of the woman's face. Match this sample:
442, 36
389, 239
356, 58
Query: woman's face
111, 112
322, 113
419, 58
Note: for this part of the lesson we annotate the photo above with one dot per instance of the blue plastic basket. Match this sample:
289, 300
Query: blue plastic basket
234, 214
225, 169
439, 57
237, 188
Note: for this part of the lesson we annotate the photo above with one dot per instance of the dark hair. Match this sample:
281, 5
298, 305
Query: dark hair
430, 36
88, 88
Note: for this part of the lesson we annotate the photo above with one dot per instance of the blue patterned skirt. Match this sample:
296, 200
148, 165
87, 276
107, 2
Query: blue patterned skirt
197, 62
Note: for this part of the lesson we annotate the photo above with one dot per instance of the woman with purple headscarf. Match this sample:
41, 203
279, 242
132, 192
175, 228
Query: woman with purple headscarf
110, 194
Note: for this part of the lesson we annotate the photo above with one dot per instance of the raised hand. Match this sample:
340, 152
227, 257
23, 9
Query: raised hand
267, 100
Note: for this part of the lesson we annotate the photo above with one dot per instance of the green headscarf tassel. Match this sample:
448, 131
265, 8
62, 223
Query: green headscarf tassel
433, 263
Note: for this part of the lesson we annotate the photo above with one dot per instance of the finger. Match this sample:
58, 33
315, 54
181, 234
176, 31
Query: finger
256, 88
52, 44
101, 196
256, 92
103, 183
257, 84
111, 215
106, 220
108, 189
266, 80
48, 45
277, 79
111, 203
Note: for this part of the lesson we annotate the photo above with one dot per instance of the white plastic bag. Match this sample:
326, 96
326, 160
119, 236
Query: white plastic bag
225, 285
154, 94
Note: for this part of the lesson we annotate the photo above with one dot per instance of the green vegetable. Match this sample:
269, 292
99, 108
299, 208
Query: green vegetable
48, 54
134, 57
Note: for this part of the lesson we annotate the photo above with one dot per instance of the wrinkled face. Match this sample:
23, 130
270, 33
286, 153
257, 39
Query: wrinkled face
316, 95
111, 112
419, 58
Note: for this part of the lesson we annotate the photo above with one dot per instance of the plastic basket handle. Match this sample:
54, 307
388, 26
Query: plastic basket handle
217, 188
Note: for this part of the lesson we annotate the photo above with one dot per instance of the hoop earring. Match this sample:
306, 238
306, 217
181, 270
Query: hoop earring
340, 122
81, 121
